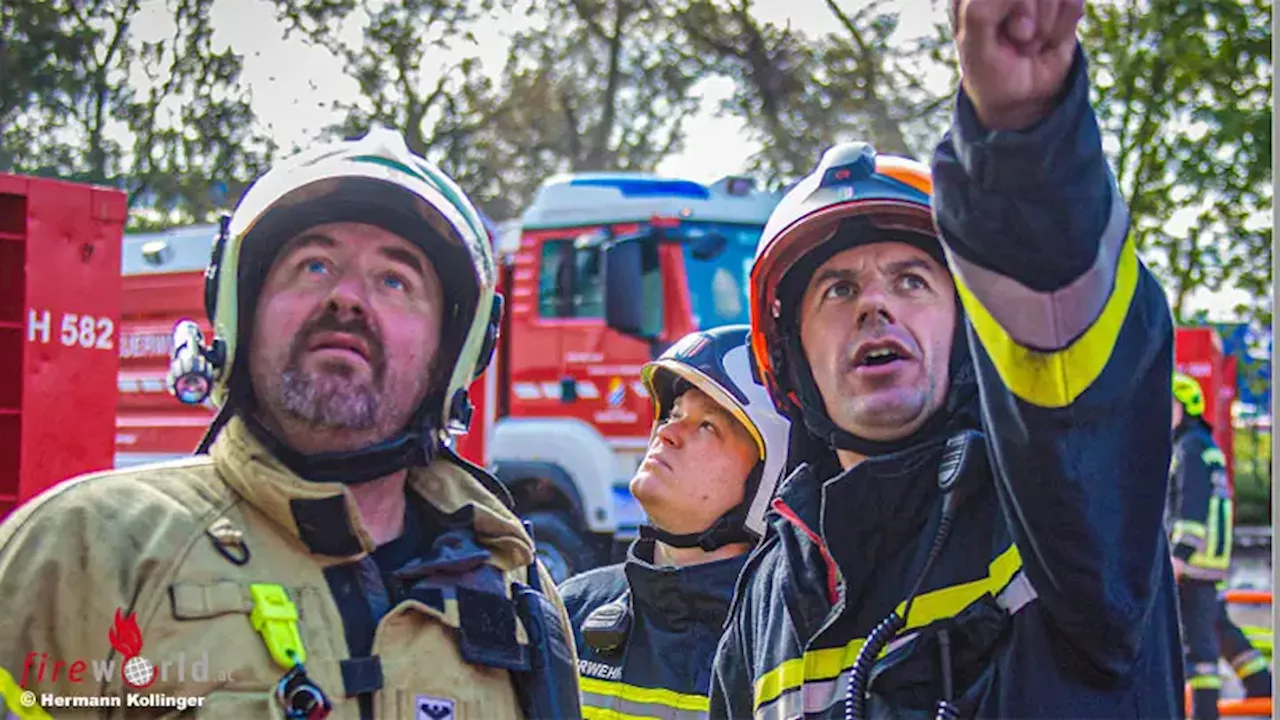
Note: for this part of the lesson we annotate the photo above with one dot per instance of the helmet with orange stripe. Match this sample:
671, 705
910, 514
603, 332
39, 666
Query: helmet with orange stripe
854, 197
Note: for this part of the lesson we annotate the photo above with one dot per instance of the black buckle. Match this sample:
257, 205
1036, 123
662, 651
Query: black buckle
300, 698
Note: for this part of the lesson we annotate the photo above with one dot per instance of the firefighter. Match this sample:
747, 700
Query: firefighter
1201, 507
329, 553
646, 629
976, 527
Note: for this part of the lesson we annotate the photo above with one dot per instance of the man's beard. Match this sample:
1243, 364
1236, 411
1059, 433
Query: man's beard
331, 397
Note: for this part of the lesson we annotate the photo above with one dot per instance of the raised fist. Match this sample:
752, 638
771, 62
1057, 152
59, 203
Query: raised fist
1015, 56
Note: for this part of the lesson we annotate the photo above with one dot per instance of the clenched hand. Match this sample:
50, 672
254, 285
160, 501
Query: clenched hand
1015, 56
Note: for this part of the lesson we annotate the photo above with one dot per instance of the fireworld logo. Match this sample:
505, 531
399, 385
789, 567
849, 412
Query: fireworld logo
137, 672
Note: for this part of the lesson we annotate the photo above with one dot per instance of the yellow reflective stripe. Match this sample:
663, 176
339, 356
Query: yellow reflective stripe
827, 663
1258, 664
648, 696
948, 601
1205, 682
1219, 532
596, 713
1213, 456
1189, 527
11, 700
1054, 379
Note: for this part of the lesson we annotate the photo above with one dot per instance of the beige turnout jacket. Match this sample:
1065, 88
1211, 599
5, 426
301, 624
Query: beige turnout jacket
165, 543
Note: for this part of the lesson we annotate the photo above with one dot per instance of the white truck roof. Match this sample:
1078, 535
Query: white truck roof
587, 199
181, 249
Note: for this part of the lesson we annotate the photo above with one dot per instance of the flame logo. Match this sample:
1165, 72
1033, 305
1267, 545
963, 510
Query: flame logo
125, 636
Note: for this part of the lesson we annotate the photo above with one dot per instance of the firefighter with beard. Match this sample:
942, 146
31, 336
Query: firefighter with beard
1201, 509
647, 629
977, 528
329, 555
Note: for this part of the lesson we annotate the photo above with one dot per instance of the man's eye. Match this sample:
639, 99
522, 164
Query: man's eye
840, 290
315, 265
912, 281
394, 282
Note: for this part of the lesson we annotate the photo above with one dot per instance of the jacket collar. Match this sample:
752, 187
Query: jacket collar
674, 597
324, 516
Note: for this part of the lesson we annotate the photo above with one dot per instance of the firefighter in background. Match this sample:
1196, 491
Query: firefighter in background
1201, 509
329, 553
647, 629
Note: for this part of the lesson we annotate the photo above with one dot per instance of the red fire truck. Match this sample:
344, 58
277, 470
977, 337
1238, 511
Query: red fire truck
601, 273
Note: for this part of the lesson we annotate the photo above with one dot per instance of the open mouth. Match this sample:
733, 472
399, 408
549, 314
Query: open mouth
879, 354
340, 341
879, 357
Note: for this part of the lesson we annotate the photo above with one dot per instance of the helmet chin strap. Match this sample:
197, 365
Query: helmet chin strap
415, 446
728, 529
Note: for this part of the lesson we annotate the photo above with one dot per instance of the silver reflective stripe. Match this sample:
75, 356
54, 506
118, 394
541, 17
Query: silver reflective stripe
1201, 573
820, 695
901, 640
635, 709
1017, 593
815, 697
1191, 541
1053, 320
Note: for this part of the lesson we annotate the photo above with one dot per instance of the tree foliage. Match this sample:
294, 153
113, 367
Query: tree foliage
87, 97
587, 85
800, 94
1183, 92
414, 66
591, 85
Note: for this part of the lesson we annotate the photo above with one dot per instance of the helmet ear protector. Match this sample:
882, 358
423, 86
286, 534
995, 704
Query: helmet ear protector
463, 410
493, 331
214, 269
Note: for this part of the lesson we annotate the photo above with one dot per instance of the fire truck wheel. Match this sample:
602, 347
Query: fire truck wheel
564, 551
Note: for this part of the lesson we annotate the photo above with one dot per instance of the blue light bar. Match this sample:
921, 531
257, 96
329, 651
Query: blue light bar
646, 187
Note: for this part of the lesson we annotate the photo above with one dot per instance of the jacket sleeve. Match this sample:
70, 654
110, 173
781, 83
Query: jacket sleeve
731, 686
1073, 345
553, 594
1191, 518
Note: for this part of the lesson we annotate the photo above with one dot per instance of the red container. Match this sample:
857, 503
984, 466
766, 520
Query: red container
59, 325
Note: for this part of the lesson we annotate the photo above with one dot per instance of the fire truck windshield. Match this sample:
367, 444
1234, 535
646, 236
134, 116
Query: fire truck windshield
719, 275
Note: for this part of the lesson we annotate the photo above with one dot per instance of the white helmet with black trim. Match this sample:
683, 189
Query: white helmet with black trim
376, 180
718, 362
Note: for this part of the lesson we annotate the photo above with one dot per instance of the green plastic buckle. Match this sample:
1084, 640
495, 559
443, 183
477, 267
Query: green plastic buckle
275, 617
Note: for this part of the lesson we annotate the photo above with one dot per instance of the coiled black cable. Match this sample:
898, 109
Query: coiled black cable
855, 701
